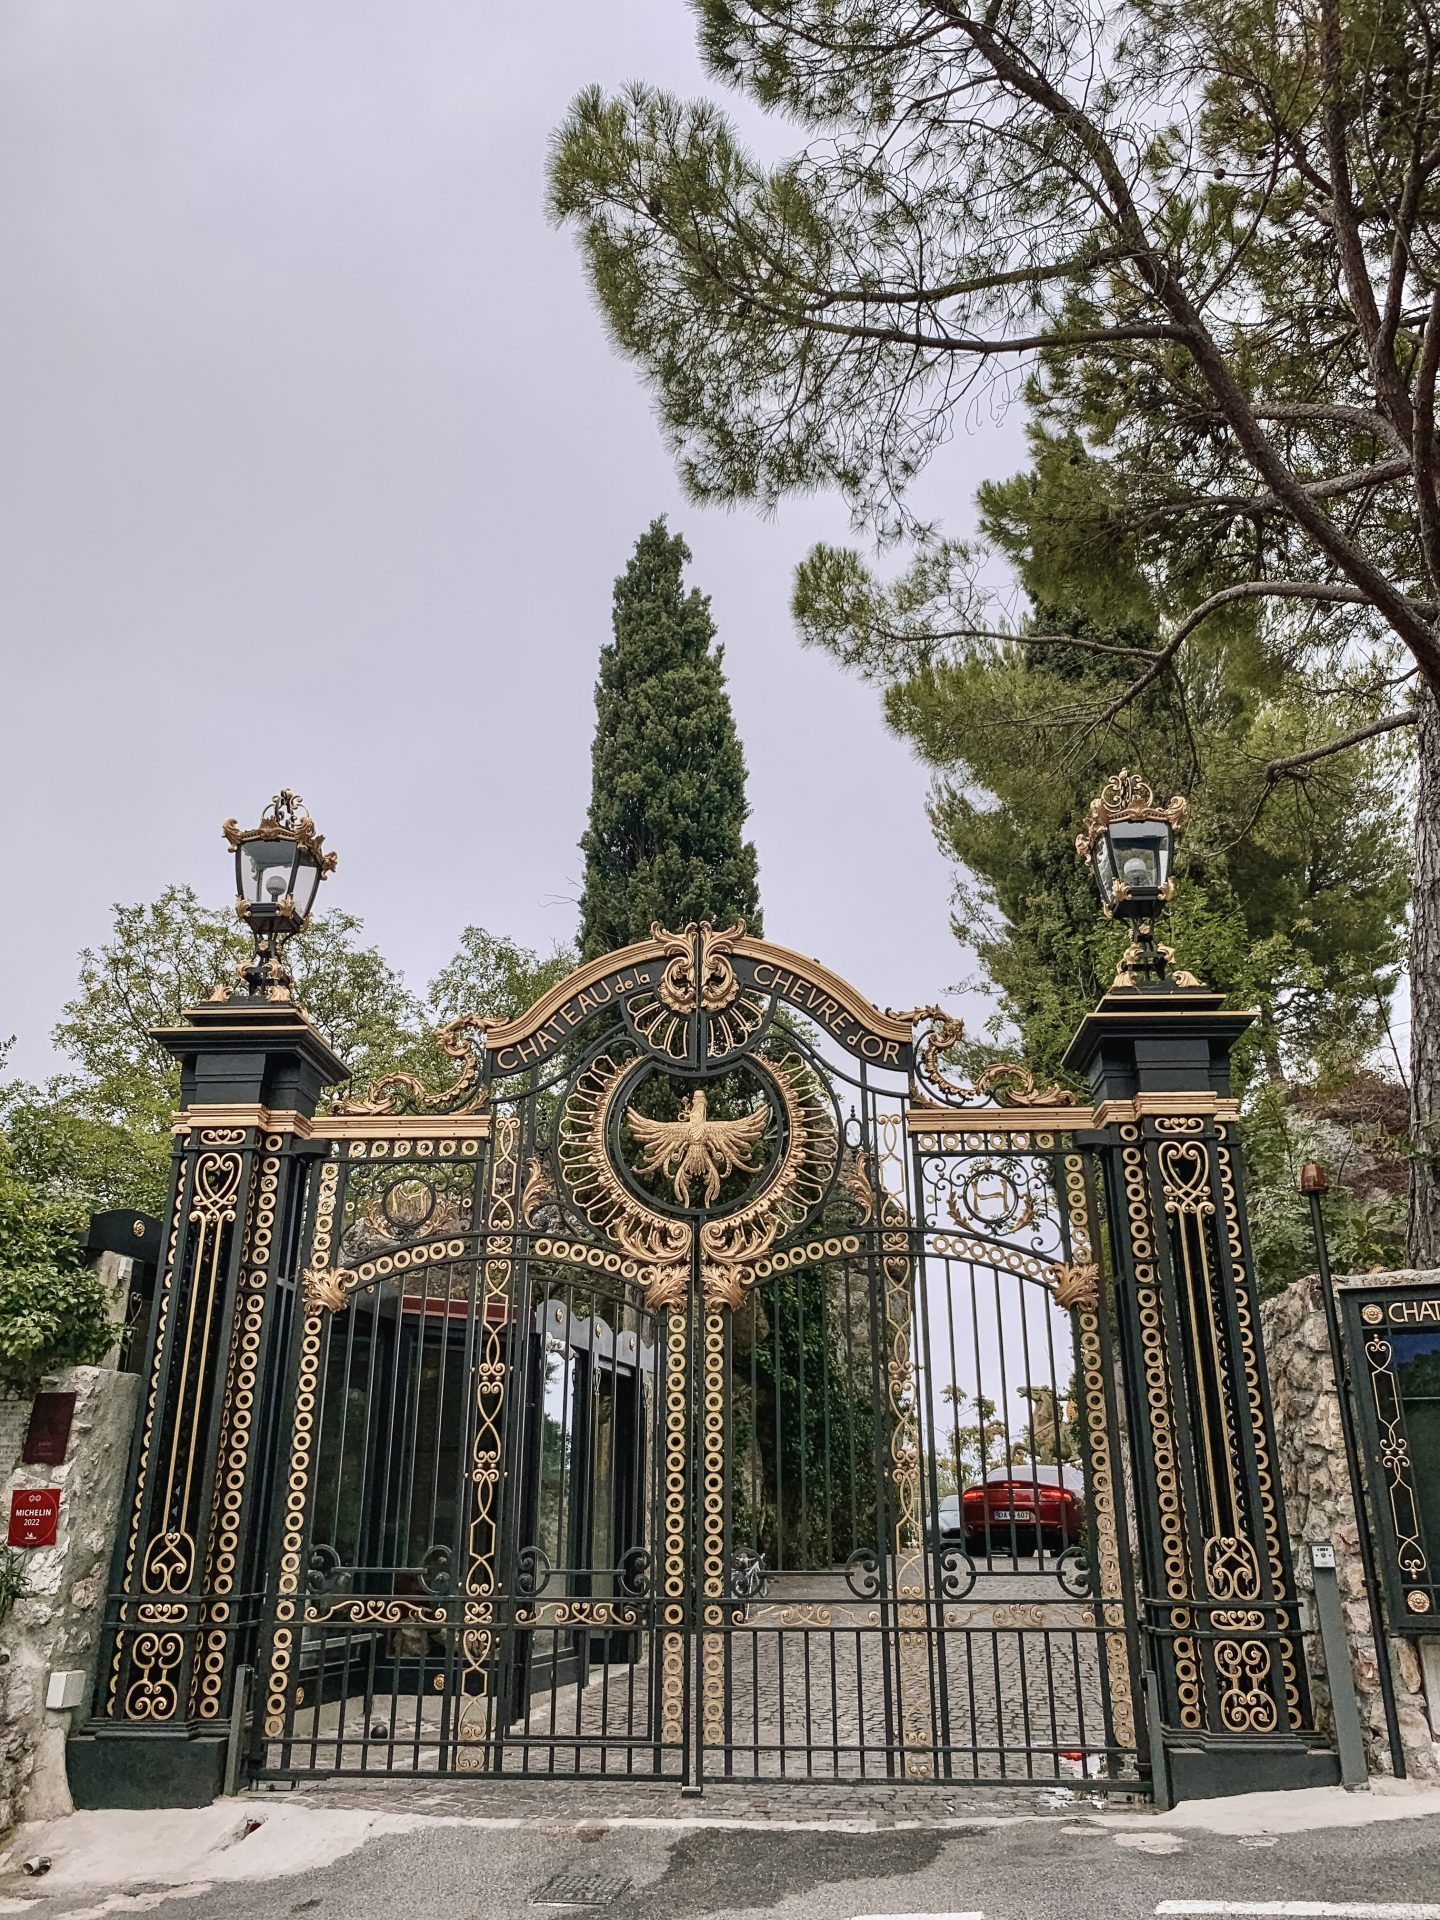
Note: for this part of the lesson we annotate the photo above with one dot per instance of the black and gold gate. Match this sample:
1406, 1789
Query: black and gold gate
705, 1385
678, 1395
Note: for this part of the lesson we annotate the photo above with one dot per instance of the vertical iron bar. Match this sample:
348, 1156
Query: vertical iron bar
1357, 1486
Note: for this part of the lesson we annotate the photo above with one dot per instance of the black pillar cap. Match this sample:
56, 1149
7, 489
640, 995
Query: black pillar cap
243, 1052
1156, 1039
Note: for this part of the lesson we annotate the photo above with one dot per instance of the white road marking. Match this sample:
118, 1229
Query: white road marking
919, 1916
1308, 1909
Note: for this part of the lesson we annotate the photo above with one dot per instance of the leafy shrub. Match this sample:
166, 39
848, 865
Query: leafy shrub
50, 1317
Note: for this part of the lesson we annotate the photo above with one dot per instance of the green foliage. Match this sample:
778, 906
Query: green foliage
805, 1429
667, 811
493, 975
98, 1135
170, 954
1356, 1132
1296, 905
1134, 192
14, 1580
52, 1312
1189, 234
50, 1316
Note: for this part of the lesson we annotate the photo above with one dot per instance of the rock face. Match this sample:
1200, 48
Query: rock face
56, 1626
1318, 1505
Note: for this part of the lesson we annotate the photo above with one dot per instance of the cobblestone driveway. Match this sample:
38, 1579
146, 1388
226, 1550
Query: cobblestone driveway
810, 1687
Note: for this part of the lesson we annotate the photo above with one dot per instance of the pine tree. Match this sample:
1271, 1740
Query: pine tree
667, 810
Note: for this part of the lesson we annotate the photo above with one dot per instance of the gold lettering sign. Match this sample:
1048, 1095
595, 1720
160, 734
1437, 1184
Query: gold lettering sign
1414, 1313
530, 1048
823, 1004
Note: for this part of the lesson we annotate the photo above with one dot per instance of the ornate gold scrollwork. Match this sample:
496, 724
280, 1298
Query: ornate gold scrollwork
1232, 1572
711, 987
477, 1640
286, 818
675, 1567
1395, 1462
860, 1187
169, 1563
1109, 1609
593, 1184
1158, 1392
1129, 966
381, 1611
662, 1246
302, 1448
725, 1284
1125, 796
916, 1707
393, 1092
578, 1613
1007, 1082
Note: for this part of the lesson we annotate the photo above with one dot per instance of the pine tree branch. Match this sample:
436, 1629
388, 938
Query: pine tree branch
1320, 591
1292, 763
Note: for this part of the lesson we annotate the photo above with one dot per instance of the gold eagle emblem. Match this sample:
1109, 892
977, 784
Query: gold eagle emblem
695, 1147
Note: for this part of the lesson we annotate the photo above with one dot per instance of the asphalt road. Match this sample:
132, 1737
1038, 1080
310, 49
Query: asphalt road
1053, 1868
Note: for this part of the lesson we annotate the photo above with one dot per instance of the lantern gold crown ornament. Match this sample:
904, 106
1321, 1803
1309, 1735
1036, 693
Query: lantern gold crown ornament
1130, 843
278, 869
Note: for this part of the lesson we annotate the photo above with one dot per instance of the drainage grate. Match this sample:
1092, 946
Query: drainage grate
580, 1890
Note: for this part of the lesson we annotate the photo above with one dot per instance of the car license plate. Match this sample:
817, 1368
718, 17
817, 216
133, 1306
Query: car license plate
1010, 1513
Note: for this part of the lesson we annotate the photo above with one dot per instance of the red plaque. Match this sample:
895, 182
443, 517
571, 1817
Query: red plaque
47, 1438
34, 1516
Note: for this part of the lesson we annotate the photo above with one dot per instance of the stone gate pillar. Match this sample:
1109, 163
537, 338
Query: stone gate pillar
185, 1585
1226, 1671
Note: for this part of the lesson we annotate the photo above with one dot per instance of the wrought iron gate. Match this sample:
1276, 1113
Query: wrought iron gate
704, 1385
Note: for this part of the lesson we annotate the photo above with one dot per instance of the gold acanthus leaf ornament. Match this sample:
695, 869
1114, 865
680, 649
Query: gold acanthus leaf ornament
539, 1188
710, 988
1076, 1286
694, 1147
327, 1289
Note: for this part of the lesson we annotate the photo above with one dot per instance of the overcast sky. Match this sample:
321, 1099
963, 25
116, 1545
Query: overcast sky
316, 468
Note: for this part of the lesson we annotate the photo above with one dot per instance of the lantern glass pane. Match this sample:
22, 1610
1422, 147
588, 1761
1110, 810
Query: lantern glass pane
265, 869
1104, 866
307, 879
1140, 850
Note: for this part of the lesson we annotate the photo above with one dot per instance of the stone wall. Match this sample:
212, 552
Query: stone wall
56, 1626
1318, 1503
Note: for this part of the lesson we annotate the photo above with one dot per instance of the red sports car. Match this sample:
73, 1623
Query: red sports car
1020, 1507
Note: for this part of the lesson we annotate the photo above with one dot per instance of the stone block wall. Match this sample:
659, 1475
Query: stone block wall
1319, 1507
57, 1625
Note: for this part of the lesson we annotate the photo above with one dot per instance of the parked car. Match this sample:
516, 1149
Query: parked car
1020, 1508
948, 1524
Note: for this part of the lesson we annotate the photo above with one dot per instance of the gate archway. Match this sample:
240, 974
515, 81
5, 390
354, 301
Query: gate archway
706, 1384
688, 1397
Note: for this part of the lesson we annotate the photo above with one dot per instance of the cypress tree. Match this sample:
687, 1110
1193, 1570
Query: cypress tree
667, 809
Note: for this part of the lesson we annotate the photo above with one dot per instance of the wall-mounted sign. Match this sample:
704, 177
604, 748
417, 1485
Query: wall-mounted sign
47, 1438
1393, 1340
34, 1516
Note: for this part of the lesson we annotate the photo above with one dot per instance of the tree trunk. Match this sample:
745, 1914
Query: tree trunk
1424, 1235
